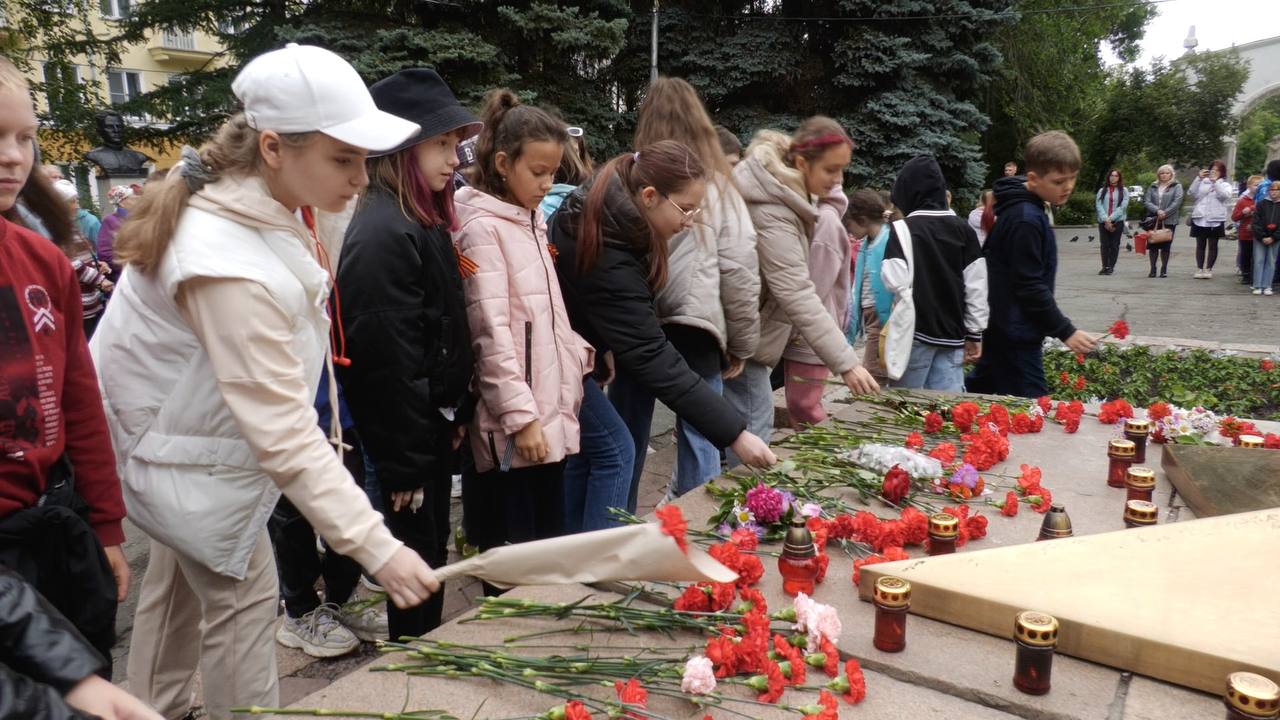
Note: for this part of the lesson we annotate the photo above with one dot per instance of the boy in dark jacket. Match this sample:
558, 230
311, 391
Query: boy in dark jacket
1022, 265
947, 278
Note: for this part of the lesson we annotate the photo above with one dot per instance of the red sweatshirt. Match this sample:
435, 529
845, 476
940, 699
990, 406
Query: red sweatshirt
49, 399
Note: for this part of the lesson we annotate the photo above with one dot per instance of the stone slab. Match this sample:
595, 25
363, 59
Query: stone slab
1223, 480
1148, 699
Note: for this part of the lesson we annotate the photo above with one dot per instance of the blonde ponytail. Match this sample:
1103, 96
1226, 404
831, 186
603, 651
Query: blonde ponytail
233, 151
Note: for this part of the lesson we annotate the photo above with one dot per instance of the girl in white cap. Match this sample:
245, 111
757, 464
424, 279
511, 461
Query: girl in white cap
208, 360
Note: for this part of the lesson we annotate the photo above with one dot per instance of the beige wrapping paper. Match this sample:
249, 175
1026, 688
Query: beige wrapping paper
631, 553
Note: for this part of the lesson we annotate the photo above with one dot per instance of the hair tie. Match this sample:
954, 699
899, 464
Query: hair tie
635, 156
193, 169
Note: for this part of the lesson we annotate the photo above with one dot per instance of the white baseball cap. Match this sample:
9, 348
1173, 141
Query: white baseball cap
65, 189
303, 88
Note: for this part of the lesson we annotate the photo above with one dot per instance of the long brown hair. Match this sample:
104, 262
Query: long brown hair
814, 137
37, 193
508, 125
668, 167
671, 110
142, 240
398, 175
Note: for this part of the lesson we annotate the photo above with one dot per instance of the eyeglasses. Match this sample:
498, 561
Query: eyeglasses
574, 131
688, 215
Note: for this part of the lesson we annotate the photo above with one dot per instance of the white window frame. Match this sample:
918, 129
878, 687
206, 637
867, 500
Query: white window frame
44, 74
129, 94
115, 6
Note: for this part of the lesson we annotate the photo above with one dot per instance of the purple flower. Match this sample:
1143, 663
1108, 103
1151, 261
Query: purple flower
966, 475
811, 510
766, 503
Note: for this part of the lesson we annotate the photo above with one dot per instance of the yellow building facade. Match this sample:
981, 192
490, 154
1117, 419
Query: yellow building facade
142, 68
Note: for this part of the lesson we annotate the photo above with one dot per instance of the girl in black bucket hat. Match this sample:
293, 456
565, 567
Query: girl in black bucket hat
402, 309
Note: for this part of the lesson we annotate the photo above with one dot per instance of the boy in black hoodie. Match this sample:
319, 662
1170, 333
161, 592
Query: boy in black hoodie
1022, 265
946, 276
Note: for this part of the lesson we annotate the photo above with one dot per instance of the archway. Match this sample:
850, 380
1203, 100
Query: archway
1263, 57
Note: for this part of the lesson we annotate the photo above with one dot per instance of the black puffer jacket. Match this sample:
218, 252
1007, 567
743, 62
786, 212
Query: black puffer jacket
41, 655
612, 307
405, 321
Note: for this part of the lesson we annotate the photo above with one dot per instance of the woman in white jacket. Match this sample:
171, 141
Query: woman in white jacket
208, 360
710, 305
1213, 200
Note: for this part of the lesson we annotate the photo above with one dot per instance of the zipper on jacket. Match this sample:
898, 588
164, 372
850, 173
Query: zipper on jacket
555, 337
528, 353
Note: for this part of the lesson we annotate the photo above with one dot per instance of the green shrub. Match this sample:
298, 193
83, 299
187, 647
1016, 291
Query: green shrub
1227, 385
1079, 210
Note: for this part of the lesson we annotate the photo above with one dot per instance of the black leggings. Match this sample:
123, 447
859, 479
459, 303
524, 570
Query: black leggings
1162, 251
1212, 243
1110, 244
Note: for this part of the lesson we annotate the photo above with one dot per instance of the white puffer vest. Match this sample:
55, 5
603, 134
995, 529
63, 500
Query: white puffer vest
190, 480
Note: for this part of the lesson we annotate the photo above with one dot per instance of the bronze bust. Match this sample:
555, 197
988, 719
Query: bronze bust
112, 157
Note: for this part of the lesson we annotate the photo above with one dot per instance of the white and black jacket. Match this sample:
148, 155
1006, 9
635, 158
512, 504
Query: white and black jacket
947, 274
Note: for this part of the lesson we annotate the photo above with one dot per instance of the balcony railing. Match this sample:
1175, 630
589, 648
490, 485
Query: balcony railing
174, 40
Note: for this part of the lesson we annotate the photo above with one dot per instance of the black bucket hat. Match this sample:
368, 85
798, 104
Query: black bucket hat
420, 95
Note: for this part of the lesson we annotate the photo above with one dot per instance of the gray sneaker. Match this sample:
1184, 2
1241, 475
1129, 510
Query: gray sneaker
366, 619
318, 633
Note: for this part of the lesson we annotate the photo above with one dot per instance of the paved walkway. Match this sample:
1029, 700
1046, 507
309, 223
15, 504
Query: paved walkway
1175, 310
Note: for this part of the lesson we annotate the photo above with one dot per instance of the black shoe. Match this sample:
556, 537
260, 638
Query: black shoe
1164, 274
1153, 274
1111, 271
1103, 271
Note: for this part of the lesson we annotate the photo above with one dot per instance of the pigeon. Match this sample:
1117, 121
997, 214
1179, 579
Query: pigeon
1090, 238
1128, 247
1075, 238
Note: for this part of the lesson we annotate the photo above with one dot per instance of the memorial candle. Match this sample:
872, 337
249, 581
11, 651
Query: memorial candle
1037, 635
798, 563
1139, 513
1121, 454
1251, 697
1138, 431
1141, 483
944, 528
892, 598
1251, 441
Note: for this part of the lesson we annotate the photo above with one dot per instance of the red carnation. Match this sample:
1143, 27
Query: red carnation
632, 693
1080, 384
744, 539
1045, 498
1120, 329
963, 415
1010, 506
1045, 403
673, 524
857, 683
575, 710
915, 526
977, 527
897, 484
826, 709
694, 599
915, 441
773, 685
791, 654
932, 422
1159, 411
944, 453
1023, 424
1271, 441
889, 555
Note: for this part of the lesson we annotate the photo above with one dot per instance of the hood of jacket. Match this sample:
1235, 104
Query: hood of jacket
763, 176
835, 201
920, 186
472, 204
621, 224
1011, 191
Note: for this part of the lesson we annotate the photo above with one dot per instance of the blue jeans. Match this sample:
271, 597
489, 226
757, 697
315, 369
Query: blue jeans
697, 459
634, 405
599, 476
933, 368
371, 486
1264, 264
751, 394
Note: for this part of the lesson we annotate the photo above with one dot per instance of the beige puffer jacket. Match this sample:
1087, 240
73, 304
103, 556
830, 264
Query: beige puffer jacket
713, 277
784, 217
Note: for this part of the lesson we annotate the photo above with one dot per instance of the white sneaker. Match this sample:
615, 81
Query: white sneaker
366, 619
318, 633
1268, 291
455, 489
369, 584
1208, 274
1199, 275
1257, 291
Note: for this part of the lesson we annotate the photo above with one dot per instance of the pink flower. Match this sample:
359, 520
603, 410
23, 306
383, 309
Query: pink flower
765, 503
699, 676
818, 620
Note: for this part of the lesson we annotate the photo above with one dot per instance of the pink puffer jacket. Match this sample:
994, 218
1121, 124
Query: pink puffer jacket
529, 361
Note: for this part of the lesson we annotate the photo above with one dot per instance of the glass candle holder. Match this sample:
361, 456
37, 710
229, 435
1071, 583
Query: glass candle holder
1138, 431
944, 528
1140, 483
1139, 513
1036, 635
1251, 441
892, 598
1251, 697
1120, 453
798, 563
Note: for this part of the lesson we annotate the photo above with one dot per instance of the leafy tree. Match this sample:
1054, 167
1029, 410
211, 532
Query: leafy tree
1176, 113
1052, 76
1257, 128
901, 84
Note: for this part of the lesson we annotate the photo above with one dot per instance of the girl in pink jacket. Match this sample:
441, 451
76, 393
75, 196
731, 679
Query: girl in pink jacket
529, 361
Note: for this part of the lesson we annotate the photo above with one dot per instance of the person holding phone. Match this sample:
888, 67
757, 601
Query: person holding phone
1212, 196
